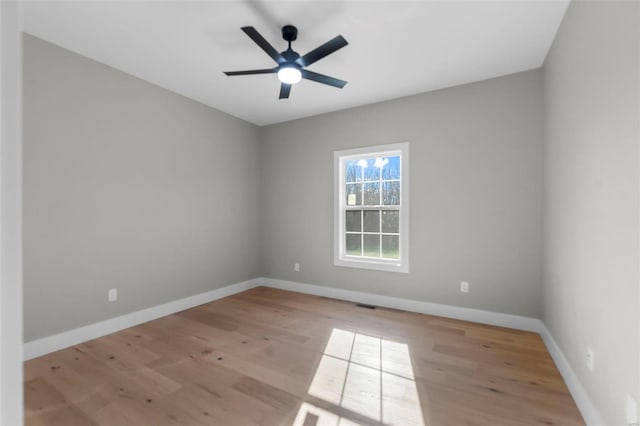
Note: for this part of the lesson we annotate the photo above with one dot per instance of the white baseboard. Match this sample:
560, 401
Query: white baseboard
53, 343
588, 410
448, 311
63, 340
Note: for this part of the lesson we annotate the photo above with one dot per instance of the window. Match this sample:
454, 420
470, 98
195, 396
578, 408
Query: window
372, 208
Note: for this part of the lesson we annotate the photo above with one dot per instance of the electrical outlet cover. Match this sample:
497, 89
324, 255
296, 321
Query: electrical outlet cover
632, 411
112, 295
590, 359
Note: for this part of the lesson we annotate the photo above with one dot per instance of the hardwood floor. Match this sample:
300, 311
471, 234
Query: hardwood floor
271, 357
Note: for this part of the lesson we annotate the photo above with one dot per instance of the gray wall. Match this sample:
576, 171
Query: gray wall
592, 215
476, 182
131, 186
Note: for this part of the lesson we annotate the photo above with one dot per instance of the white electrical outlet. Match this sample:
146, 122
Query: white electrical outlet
296, 267
464, 286
590, 359
112, 296
632, 411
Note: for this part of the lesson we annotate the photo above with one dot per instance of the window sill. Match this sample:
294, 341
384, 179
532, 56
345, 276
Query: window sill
376, 265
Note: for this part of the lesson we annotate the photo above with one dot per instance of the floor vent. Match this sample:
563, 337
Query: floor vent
362, 305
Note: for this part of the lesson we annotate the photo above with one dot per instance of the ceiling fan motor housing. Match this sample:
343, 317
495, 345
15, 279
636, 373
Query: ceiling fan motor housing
291, 56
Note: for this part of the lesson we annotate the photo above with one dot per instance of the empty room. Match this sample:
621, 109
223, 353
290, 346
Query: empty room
320, 213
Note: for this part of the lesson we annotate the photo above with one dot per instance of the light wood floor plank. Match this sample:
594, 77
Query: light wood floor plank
270, 357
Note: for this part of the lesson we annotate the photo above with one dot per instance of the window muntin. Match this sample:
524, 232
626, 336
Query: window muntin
372, 220
372, 207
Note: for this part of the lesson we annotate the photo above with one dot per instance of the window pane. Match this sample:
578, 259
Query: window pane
371, 221
369, 215
391, 170
354, 244
353, 221
371, 172
371, 194
390, 246
353, 171
391, 221
354, 194
372, 245
391, 193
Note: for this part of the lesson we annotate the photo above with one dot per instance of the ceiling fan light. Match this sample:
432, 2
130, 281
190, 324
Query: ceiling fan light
289, 75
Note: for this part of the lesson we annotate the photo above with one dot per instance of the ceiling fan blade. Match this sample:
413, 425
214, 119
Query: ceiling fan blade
285, 89
324, 79
264, 44
249, 72
320, 52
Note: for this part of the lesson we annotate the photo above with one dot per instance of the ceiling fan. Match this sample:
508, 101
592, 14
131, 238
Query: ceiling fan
291, 66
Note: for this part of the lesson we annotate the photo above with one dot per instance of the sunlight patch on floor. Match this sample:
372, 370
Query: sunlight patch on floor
365, 375
310, 415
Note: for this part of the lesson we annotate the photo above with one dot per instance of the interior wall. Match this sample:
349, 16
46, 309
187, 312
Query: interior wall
592, 213
476, 182
128, 186
11, 395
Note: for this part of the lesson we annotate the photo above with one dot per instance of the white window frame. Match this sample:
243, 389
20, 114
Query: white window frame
340, 258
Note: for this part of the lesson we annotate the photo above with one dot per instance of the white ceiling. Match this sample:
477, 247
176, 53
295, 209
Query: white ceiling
396, 48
